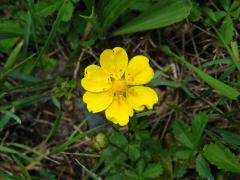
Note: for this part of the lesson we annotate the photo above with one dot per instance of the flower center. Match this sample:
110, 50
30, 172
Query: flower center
119, 86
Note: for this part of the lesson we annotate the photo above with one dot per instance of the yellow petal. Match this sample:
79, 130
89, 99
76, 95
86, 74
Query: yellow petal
95, 79
119, 111
140, 96
114, 62
97, 102
139, 71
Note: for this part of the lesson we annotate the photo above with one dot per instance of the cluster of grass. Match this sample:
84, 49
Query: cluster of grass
46, 131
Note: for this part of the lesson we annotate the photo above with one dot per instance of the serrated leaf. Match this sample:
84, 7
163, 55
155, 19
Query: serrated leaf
182, 134
161, 14
131, 174
221, 157
113, 155
134, 151
118, 139
202, 167
198, 125
230, 137
180, 170
153, 170
183, 153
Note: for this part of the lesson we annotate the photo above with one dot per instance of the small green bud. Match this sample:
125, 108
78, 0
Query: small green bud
100, 141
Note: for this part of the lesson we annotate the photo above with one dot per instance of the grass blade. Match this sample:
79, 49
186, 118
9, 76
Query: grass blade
20, 103
162, 14
173, 84
70, 141
232, 52
11, 115
55, 127
52, 32
27, 32
8, 150
223, 88
92, 174
32, 150
18, 75
111, 10
13, 56
22, 168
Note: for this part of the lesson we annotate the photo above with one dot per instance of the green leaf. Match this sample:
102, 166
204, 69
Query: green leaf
195, 14
18, 75
161, 14
32, 150
55, 127
223, 61
230, 137
62, 147
114, 155
27, 34
20, 103
131, 174
7, 150
227, 29
56, 102
67, 15
11, 115
146, 113
10, 29
183, 153
173, 84
10, 32
202, 167
221, 157
92, 174
225, 4
223, 88
48, 63
53, 31
13, 56
179, 170
141, 166
4, 120
198, 125
22, 168
141, 5
111, 10
234, 9
134, 151
182, 134
153, 170
119, 139
210, 14
46, 8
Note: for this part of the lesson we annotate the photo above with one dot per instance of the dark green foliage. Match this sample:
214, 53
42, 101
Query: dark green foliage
46, 131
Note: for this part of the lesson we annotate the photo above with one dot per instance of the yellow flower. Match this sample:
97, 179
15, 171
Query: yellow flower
117, 86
